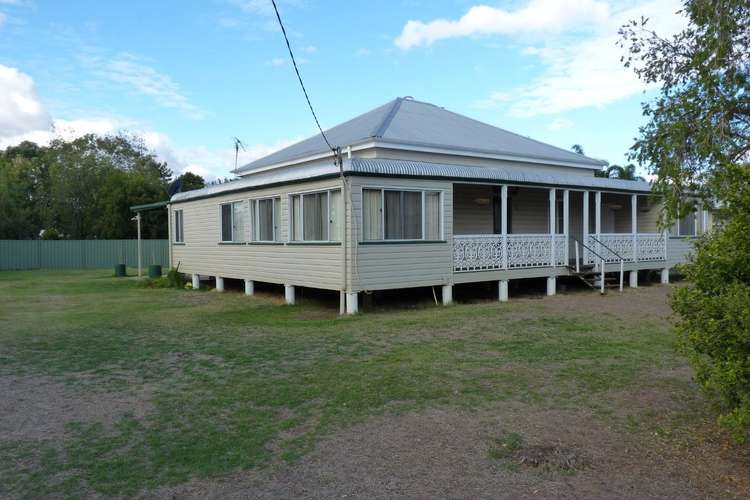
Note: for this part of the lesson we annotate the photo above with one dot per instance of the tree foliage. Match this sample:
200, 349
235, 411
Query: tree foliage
700, 122
190, 181
714, 309
697, 142
626, 173
80, 189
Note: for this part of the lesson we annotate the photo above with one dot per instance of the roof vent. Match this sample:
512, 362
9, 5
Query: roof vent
408, 98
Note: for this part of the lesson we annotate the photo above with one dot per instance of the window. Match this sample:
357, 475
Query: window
401, 215
179, 235
316, 216
233, 222
687, 226
265, 214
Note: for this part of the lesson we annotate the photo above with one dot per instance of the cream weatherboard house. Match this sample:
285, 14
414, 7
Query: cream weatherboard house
423, 197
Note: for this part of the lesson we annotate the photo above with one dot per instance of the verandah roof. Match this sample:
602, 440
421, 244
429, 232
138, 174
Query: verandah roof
417, 169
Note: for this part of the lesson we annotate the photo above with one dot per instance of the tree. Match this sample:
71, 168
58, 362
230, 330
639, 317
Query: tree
626, 173
697, 142
577, 148
191, 181
81, 188
700, 122
16, 203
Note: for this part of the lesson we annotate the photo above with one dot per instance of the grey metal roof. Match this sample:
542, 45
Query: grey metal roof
406, 122
270, 177
403, 168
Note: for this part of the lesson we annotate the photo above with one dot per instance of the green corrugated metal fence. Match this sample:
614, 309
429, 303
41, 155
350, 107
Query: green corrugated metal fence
79, 254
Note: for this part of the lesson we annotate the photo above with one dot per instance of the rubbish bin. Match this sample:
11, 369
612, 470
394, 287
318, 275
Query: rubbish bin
154, 271
119, 270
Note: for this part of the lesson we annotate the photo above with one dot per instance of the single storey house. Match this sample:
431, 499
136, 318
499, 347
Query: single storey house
422, 197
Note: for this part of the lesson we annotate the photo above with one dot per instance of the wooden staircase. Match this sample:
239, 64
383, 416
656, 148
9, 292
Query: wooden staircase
592, 278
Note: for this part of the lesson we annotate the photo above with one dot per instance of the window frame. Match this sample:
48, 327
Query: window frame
301, 194
255, 218
179, 229
423, 192
231, 224
677, 226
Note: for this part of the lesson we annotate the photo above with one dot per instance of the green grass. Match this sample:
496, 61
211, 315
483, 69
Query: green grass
504, 447
238, 382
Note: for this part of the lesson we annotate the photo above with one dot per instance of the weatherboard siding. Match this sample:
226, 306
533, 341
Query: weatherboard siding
469, 215
374, 266
311, 265
399, 154
678, 249
382, 266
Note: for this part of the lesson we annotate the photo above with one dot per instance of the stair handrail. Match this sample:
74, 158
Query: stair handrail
622, 259
602, 262
605, 246
584, 245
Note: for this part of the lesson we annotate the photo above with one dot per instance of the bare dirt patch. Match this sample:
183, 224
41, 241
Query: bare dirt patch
40, 407
446, 454
645, 302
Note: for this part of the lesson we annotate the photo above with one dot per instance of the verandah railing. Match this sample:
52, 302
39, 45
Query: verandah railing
638, 247
486, 252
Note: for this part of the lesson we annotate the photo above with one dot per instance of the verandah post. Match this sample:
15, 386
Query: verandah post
552, 228
598, 219
504, 223
566, 224
585, 226
634, 223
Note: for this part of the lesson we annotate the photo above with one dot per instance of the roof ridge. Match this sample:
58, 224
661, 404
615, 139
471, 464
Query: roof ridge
383, 126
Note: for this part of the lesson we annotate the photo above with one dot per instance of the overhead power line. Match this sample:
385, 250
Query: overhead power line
299, 77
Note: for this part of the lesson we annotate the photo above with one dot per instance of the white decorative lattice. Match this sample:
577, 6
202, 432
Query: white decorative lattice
616, 246
651, 247
644, 247
477, 253
561, 244
487, 252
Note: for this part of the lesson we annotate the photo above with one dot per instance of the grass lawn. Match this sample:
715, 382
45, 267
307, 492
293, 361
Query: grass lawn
117, 390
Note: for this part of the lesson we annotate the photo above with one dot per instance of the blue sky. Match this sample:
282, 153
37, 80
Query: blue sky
188, 76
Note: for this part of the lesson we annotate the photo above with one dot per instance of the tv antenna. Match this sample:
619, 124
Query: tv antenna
237, 146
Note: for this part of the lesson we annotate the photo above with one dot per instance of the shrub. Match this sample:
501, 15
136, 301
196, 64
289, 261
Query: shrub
714, 308
175, 278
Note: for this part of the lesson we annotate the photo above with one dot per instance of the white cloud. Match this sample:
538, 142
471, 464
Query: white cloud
539, 16
210, 163
495, 100
559, 124
228, 22
23, 117
21, 110
3, 17
129, 71
263, 7
64, 129
586, 72
362, 52
310, 49
258, 7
